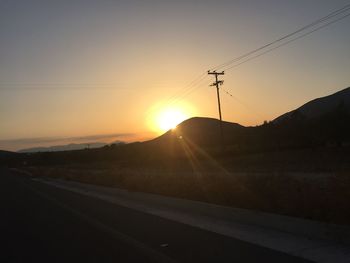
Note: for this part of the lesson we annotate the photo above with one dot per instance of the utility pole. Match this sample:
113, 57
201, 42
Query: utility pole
217, 84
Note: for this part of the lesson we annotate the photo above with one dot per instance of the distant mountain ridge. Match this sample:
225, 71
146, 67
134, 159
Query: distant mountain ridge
68, 147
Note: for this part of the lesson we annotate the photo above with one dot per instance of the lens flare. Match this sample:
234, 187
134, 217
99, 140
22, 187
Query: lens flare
170, 118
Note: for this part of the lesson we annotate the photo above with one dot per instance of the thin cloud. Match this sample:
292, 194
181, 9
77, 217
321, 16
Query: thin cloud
17, 144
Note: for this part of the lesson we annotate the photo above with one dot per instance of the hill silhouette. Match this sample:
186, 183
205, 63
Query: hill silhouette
322, 122
202, 131
320, 106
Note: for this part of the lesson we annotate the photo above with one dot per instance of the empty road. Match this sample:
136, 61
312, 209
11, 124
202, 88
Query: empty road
41, 223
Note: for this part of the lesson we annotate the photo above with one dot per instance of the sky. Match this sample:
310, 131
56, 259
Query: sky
107, 70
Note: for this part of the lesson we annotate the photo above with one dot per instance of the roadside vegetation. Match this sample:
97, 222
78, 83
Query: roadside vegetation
294, 183
296, 166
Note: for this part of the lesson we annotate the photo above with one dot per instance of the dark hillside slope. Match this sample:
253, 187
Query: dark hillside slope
6, 153
7, 157
320, 122
320, 106
202, 131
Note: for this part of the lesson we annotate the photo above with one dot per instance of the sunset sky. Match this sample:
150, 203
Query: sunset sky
104, 70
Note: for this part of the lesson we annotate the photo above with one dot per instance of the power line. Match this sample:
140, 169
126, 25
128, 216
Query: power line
321, 21
286, 43
270, 50
313, 24
189, 86
189, 91
243, 103
180, 94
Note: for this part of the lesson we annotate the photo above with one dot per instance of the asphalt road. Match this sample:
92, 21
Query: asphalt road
41, 223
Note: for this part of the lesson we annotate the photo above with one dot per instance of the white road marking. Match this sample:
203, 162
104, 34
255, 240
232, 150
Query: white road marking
321, 251
153, 254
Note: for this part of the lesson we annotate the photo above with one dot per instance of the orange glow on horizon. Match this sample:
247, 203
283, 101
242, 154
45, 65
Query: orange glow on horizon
168, 118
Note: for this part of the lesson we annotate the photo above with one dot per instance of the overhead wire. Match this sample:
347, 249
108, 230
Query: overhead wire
195, 83
314, 23
321, 22
288, 42
179, 95
243, 103
226, 66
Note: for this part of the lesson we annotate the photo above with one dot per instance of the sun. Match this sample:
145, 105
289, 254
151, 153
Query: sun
170, 118
165, 118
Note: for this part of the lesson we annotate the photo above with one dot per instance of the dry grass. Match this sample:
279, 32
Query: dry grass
322, 198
